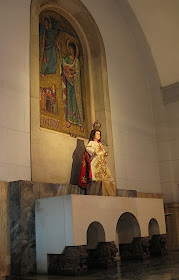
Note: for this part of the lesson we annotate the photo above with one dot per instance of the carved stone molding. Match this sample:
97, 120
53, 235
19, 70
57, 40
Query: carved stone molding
170, 93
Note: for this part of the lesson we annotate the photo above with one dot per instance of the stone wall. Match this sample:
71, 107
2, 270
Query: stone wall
4, 230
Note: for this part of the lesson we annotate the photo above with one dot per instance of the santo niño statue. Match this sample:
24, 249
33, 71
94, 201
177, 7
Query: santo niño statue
94, 167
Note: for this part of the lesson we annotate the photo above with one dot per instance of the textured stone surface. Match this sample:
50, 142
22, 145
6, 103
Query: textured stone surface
22, 220
76, 260
71, 262
103, 256
138, 249
4, 230
158, 245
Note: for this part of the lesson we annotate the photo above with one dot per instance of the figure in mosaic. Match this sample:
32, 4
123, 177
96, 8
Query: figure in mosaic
48, 33
71, 85
94, 167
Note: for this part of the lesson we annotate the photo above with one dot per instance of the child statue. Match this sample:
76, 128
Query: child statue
94, 167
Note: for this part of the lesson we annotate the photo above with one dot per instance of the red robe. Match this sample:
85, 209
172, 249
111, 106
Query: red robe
85, 173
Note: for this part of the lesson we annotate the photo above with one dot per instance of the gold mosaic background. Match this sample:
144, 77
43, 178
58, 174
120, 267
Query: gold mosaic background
56, 121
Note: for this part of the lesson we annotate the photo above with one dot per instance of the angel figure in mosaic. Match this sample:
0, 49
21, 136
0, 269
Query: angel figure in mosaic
94, 167
71, 85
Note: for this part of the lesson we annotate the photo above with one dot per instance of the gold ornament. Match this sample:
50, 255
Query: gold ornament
96, 125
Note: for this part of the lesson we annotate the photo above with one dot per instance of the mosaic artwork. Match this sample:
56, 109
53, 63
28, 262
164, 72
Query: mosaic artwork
62, 87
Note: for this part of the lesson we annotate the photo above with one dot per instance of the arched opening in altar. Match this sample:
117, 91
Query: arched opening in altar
95, 234
153, 228
127, 230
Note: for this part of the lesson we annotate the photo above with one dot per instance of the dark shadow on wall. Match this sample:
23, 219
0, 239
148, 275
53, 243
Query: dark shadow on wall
77, 160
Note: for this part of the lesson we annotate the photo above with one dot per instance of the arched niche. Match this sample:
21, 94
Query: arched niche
153, 228
127, 228
95, 234
51, 152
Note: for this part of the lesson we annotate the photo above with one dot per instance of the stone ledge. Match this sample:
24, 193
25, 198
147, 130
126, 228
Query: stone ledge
126, 193
95, 188
170, 93
172, 205
149, 195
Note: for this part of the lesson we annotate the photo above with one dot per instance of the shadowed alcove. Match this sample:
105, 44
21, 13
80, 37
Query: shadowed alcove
95, 234
153, 228
127, 228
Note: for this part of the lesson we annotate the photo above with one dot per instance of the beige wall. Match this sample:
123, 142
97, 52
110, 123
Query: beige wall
143, 127
133, 84
14, 90
162, 34
173, 126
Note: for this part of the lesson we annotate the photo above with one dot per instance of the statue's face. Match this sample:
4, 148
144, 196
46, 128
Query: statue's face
97, 136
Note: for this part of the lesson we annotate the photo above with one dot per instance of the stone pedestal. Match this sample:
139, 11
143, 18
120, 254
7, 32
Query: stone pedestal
76, 260
4, 230
22, 220
71, 262
103, 256
138, 249
172, 225
158, 245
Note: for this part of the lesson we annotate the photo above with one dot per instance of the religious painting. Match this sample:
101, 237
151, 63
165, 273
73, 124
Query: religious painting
62, 86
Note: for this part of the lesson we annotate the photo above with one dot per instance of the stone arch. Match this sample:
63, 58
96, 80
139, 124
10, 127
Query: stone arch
153, 228
95, 234
127, 228
95, 79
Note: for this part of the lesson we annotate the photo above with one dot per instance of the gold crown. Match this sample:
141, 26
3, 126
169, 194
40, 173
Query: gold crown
96, 125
